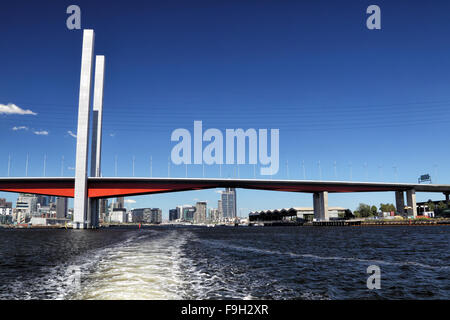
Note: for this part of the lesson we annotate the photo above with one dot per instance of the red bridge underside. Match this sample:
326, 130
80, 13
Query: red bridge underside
107, 189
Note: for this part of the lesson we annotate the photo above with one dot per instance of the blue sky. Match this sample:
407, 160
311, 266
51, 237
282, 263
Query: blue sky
369, 100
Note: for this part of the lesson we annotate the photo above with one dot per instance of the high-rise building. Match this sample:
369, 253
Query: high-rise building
51, 199
156, 216
173, 215
229, 203
141, 215
43, 200
61, 207
213, 215
27, 204
147, 215
219, 209
180, 212
4, 204
200, 212
120, 203
103, 209
188, 213
5, 212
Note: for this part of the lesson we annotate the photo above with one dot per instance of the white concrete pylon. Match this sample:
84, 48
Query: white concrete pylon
96, 145
320, 204
412, 204
80, 196
98, 116
400, 202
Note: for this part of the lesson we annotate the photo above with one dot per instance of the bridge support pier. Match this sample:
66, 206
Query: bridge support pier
447, 199
412, 205
320, 203
94, 212
400, 202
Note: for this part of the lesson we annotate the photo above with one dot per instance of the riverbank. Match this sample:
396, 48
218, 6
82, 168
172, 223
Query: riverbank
412, 222
331, 223
362, 223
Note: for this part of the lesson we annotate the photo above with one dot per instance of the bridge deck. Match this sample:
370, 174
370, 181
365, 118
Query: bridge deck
106, 187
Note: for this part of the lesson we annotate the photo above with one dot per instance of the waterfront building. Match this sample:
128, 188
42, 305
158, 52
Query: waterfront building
229, 203
70, 213
61, 207
48, 221
20, 215
120, 203
173, 215
140, 215
103, 209
51, 200
7, 217
180, 212
146, 215
156, 216
295, 213
27, 205
5, 204
188, 213
200, 212
219, 209
119, 215
6, 211
43, 200
44, 211
214, 215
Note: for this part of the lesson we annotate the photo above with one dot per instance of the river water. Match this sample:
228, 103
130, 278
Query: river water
225, 263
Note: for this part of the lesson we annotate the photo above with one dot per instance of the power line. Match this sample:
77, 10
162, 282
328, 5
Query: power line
26, 167
9, 165
45, 164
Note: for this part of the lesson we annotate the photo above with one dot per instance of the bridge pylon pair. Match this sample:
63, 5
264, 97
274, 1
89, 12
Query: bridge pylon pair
410, 200
86, 211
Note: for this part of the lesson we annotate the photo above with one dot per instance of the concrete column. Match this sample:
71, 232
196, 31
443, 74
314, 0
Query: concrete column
412, 205
80, 198
96, 145
316, 206
320, 202
400, 202
98, 117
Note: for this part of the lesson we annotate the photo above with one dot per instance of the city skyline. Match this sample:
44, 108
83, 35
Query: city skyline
333, 125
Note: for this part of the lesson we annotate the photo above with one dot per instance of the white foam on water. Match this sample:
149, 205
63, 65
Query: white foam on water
148, 269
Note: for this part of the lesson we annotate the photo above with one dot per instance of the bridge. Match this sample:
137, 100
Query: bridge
107, 187
87, 190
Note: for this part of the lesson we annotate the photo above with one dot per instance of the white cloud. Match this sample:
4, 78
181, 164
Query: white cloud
41, 133
20, 128
72, 134
11, 108
130, 201
112, 135
71, 168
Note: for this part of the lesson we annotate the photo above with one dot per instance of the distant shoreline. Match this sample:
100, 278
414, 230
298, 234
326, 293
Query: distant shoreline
335, 223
